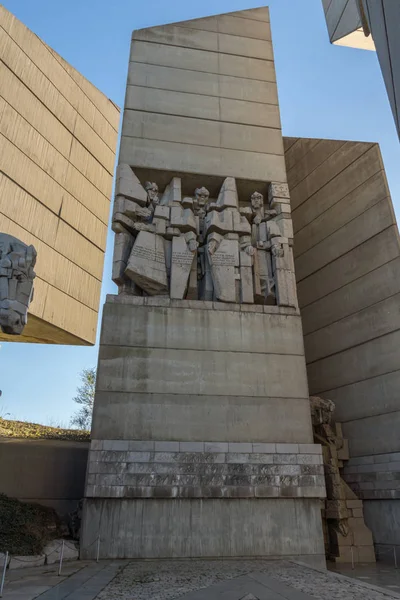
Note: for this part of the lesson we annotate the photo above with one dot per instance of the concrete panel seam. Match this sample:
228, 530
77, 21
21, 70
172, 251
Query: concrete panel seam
59, 91
50, 176
55, 56
212, 72
54, 213
341, 199
69, 296
56, 149
213, 447
332, 178
154, 139
161, 89
317, 167
350, 315
159, 43
348, 252
326, 392
375, 415
63, 255
315, 247
182, 25
348, 284
377, 337
204, 350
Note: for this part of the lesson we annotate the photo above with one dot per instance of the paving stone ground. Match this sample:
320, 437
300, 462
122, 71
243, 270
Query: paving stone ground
199, 580
233, 580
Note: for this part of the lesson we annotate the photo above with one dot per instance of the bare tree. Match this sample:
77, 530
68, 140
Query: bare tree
82, 418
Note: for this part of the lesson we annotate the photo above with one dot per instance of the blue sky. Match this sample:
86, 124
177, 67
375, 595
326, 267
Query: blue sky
325, 91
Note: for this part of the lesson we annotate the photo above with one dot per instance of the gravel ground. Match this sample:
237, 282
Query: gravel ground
167, 580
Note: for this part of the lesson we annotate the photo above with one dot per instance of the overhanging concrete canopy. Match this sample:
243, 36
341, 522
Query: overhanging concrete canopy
370, 25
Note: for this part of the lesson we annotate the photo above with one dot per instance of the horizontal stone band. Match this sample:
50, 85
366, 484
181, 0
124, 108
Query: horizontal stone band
165, 302
208, 447
374, 477
208, 470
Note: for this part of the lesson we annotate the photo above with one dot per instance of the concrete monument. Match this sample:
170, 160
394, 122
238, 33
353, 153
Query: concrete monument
202, 441
199, 248
16, 283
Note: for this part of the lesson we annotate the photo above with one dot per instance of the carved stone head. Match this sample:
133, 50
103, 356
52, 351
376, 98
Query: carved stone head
152, 192
257, 200
202, 195
16, 283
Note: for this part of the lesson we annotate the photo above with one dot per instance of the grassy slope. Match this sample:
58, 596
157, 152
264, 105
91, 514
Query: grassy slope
33, 431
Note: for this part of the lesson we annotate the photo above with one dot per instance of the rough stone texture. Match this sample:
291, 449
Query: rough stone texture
209, 580
16, 283
120, 469
58, 138
53, 551
347, 538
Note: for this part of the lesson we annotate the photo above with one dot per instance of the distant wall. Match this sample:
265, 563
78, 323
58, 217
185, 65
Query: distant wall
44, 471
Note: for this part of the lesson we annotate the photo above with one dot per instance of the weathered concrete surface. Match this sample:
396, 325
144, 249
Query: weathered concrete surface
185, 372
239, 374
202, 528
172, 469
44, 471
202, 99
383, 517
226, 418
58, 136
201, 105
347, 259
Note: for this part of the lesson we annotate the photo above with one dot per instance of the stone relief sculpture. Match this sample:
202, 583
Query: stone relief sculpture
203, 248
16, 283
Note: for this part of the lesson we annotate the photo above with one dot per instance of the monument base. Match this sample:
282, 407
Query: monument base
204, 528
202, 443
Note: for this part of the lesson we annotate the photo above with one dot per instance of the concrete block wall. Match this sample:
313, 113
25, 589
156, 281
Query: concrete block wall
347, 263
148, 469
49, 472
201, 104
198, 403
202, 98
58, 137
193, 371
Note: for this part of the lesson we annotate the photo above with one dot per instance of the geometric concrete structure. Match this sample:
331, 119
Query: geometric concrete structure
202, 441
16, 283
347, 263
58, 136
370, 25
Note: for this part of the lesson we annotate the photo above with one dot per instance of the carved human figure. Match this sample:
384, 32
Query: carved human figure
201, 198
228, 247
264, 285
283, 269
152, 193
16, 283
